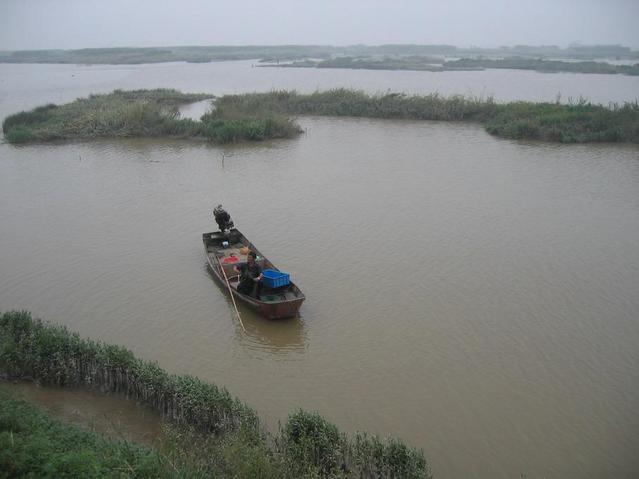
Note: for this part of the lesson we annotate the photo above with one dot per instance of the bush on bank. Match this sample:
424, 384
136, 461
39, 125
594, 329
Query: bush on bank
209, 420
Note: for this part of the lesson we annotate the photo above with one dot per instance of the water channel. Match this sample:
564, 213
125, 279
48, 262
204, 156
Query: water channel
476, 297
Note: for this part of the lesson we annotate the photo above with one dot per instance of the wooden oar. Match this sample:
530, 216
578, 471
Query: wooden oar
228, 285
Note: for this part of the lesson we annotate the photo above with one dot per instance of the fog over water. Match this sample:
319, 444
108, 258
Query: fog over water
43, 24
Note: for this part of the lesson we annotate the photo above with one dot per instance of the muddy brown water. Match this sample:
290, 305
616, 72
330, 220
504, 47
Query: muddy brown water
112, 415
476, 297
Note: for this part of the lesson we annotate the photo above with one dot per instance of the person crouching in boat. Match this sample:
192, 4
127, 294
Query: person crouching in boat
250, 276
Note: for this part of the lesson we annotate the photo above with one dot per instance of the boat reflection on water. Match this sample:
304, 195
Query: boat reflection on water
279, 337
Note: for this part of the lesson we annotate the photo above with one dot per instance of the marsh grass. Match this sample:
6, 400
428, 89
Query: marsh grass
116, 115
50, 354
226, 125
575, 122
542, 65
264, 116
214, 434
347, 102
139, 113
412, 62
33, 444
426, 63
580, 122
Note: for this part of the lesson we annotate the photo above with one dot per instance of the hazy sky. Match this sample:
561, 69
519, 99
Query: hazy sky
36, 24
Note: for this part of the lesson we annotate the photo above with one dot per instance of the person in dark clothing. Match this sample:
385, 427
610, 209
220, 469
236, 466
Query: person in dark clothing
250, 276
222, 218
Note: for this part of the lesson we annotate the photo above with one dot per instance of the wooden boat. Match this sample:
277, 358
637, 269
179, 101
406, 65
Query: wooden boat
226, 250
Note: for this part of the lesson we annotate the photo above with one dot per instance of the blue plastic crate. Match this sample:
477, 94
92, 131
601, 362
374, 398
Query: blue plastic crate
275, 279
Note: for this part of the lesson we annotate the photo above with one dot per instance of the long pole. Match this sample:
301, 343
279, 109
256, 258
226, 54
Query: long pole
228, 285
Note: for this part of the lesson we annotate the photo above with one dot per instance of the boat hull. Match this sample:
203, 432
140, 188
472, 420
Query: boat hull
282, 303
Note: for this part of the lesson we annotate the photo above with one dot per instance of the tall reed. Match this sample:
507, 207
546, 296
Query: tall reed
50, 354
140, 113
263, 116
306, 446
574, 122
33, 444
313, 445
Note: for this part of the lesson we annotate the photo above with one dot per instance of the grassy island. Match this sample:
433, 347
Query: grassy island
433, 64
213, 434
261, 116
139, 113
569, 123
542, 65
415, 63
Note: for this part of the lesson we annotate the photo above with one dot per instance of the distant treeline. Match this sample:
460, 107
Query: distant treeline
217, 435
276, 53
194, 54
261, 116
433, 64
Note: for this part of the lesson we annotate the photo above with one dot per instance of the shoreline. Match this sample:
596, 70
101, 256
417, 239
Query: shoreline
307, 444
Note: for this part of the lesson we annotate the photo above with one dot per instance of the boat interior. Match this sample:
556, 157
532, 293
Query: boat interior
231, 249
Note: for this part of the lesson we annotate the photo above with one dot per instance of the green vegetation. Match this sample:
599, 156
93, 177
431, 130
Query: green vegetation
416, 63
50, 354
345, 102
572, 123
309, 440
575, 123
139, 113
226, 125
261, 116
215, 434
548, 66
420, 63
386, 63
34, 445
